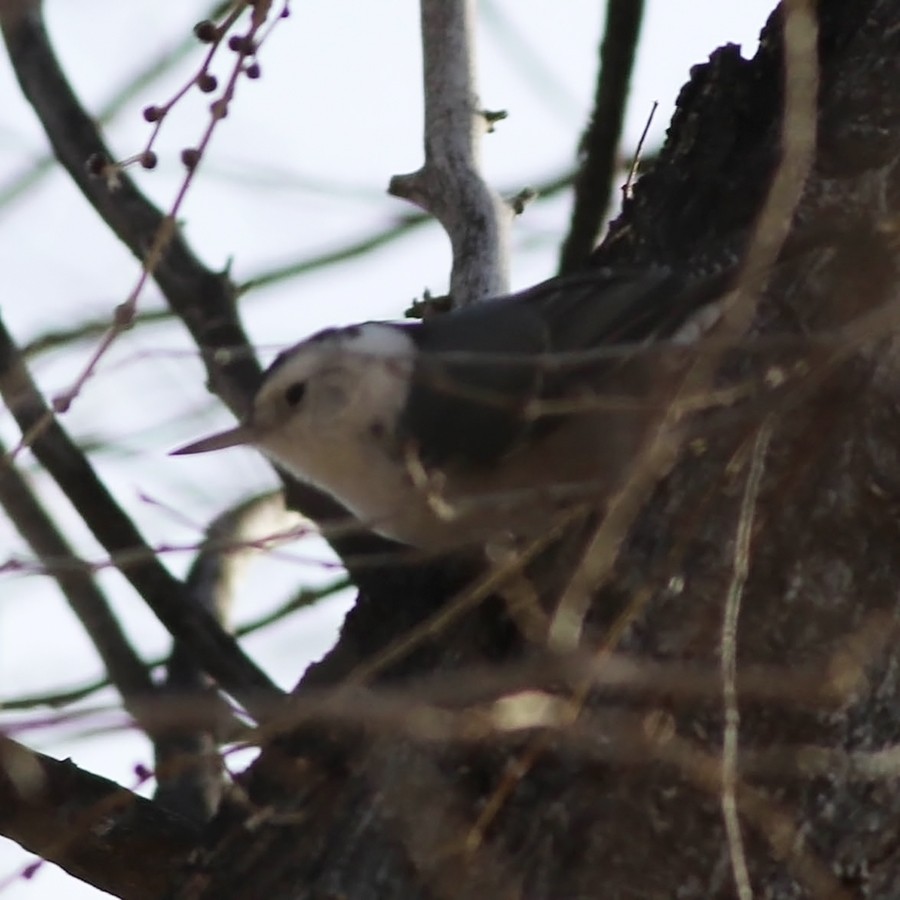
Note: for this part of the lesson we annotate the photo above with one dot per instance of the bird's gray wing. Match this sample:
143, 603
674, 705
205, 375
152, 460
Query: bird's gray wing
477, 372
601, 306
484, 369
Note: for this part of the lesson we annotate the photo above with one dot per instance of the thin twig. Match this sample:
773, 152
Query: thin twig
628, 187
493, 580
729, 662
774, 824
798, 137
155, 69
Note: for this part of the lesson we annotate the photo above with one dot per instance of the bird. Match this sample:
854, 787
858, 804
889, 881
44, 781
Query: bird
487, 423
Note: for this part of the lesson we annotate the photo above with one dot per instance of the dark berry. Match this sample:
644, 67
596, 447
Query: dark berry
207, 83
240, 43
190, 156
206, 31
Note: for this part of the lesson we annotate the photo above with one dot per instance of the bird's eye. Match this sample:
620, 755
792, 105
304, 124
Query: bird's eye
294, 393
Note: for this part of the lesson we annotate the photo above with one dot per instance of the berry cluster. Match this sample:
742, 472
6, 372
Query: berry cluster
244, 45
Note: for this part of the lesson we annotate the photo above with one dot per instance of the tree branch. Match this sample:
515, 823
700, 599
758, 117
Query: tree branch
449, 185
91, 827
189, 771
170, 58
598, 150
301, 600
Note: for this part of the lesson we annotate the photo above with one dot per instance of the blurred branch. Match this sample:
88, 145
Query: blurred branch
166, 596
127, 672
301, 600
600, 142
189, 771
89, 328
91, 827
382, 237
458, 698
204, 300
543, 80
449, 185
660, 451
379, 238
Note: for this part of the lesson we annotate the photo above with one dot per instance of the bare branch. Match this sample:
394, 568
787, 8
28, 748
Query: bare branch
91, 827
301, 600
449, 185
598, 150
384, 235
189, 770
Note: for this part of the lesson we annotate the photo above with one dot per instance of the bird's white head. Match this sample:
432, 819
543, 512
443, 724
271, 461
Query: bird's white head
325, 403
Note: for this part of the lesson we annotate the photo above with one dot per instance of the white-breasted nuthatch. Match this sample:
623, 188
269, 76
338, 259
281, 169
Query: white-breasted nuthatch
481, 423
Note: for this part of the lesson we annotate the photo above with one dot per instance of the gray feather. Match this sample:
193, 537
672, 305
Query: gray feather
481, 369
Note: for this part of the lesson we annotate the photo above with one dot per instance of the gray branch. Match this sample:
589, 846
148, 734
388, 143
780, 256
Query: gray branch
449, 185
189, 770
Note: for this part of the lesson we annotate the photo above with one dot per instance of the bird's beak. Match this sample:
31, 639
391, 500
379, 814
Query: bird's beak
234, 437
